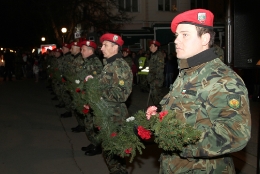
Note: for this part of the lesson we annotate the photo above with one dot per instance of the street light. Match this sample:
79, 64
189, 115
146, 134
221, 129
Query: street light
63, 30
43, 39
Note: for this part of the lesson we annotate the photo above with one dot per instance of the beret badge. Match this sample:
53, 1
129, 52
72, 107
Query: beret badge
115, 38
202, 17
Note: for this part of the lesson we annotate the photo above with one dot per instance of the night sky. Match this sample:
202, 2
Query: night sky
21, 25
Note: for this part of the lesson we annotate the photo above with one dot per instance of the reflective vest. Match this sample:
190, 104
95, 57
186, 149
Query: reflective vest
144, 70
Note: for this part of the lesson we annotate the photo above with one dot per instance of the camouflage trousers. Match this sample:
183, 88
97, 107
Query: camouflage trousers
115, 164
90, 130
156, 94
57, 89
79, 117
66, 98
173, 164
143, 82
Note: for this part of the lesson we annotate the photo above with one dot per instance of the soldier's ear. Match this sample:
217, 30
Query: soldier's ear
205, 39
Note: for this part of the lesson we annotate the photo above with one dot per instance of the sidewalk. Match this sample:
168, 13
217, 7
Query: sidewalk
35, 140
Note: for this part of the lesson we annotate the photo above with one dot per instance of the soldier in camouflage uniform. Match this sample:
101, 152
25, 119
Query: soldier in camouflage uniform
91, 66
128, 59
209, 96
219, 52
117, 77
67, 59
56, 78
74, 69
156, 68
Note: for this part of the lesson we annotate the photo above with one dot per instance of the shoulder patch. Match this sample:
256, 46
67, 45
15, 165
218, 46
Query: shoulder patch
234, 101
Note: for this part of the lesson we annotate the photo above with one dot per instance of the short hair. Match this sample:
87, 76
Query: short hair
119, 47
204, 30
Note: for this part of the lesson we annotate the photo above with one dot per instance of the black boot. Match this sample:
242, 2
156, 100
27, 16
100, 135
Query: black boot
89, 147
96, 150
78, 129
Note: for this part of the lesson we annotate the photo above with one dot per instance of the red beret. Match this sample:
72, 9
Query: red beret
77, 44
66, 45
199, 17
126, 50
89, 43
155, 43
57, 50
112, 38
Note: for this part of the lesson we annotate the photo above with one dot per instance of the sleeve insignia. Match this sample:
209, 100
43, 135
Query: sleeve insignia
234, 101
121, 82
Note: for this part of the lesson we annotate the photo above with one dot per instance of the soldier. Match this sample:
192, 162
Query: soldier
91, 66
128, 59
126, 56
76, 67
117, 79
156, 76
67, 60
209, 96
219, 51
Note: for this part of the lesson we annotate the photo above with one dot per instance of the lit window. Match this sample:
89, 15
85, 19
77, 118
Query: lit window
167, 5
128, 5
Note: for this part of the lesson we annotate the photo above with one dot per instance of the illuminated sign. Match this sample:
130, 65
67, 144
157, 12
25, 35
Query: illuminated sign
45, 47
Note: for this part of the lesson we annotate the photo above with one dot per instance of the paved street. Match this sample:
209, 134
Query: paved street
35, 140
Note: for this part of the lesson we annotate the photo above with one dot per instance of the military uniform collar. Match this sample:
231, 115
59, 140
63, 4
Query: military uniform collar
113, 58
77, 55
90, 57
155, 52
67, 53
198, 59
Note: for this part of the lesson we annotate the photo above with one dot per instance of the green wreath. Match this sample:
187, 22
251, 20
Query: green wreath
126, 140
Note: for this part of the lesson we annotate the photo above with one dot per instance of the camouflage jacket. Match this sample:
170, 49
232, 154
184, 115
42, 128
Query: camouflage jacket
67, 60
213, 99
219, 52
129, 61
77, 63
156, 68
116, 79
91, 66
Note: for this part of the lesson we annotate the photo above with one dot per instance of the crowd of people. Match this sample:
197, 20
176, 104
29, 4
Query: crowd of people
205, 93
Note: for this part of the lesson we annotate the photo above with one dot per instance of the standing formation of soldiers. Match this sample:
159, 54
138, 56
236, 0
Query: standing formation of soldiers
67, 69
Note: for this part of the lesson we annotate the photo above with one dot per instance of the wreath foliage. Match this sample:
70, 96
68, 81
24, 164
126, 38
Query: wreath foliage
127, 139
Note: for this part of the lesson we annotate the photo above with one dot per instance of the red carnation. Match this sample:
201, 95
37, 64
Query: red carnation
78, 90
128, 151
63, 80
113, 134
143, 133
162, 114
85, 110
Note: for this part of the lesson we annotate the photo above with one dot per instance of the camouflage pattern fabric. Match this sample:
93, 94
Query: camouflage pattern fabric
77, 63
67, 60
212, 98
219, 52
91, 66
117, 77
156, 77
129, 60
